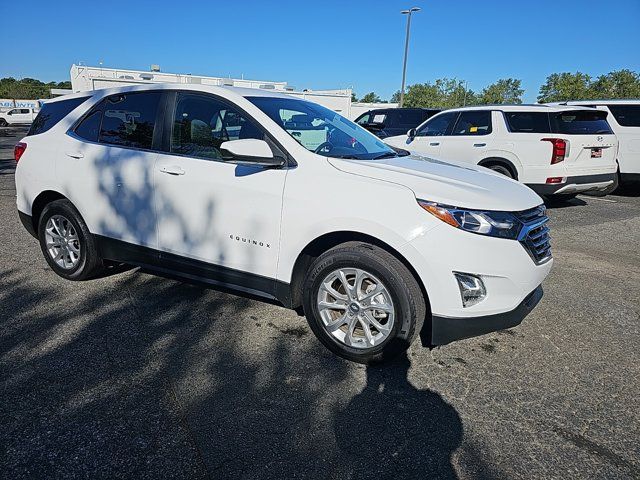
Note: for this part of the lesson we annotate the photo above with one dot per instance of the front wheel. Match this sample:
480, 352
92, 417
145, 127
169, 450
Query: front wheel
362, 303
67, 245
3, 122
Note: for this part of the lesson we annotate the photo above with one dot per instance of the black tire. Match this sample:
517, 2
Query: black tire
408, 300
3, 122
89, 263
501, 169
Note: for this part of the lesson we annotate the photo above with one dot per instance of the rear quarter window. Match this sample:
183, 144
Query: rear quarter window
580, 122
626, 115
52, 113
528, 122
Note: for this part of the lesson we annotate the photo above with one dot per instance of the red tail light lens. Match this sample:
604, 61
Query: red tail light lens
18, 150
559, 149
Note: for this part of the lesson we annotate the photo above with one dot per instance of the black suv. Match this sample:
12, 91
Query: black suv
388, 122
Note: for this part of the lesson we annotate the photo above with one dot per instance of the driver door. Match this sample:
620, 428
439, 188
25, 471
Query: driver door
429, 137
207, 209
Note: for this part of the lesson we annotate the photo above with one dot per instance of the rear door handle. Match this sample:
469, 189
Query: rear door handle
479, 144
75, 155
434, 144
172, 170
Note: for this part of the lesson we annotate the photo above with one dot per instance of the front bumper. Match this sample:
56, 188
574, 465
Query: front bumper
447, 329
577, 184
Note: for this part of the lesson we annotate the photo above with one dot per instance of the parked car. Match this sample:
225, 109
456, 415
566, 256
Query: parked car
388, 122
554, 150
17, 116
624, 118
214, 185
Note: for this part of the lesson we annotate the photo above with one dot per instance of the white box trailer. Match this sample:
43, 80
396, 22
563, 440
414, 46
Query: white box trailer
85, 78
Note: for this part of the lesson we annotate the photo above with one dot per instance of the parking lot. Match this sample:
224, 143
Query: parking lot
138, 376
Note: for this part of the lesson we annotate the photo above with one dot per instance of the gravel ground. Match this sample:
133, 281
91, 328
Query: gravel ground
135, 376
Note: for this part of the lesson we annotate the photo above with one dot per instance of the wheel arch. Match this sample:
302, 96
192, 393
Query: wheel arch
495, 160
41, 201
325, 242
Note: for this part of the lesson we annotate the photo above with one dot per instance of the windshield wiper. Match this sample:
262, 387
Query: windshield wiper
388, 155
346, 157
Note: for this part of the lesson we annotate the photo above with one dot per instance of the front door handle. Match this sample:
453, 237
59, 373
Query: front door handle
75, 155
479, 144
434, 144
172, 170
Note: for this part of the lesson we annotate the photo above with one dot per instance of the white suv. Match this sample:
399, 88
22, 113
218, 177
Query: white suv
554, 150
232, 188
624, 118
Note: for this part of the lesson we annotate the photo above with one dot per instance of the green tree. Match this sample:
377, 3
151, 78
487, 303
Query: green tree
560, 87
371, 97
443, 93
505, 90
617, 84
395, 98
353, 97
28, 88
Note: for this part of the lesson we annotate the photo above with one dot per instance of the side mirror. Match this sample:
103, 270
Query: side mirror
250, 151
411, 133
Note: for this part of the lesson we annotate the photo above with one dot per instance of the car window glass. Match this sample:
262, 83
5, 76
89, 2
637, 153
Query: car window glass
89, 127
409, 118
24, 110
201, 124
363, 119
626, 115
528, 122
52, 113
128, 119
437, 126
581, 122
473, 123
379, 118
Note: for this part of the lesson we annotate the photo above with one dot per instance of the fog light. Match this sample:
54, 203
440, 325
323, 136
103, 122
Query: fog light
471, 287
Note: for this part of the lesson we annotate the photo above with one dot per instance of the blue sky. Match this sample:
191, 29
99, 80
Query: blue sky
325, 43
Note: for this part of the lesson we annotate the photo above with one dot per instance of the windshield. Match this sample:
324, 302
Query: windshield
321, 130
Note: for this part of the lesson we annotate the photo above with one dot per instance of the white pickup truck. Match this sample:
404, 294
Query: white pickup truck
18, 116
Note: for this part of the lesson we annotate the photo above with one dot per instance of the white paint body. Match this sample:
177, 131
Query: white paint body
19, 116
206, 211
628, 136
527, 152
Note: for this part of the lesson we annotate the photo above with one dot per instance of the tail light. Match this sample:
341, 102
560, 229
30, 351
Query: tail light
559, 149
19, 150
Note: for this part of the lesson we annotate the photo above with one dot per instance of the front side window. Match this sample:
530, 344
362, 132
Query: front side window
528, 122
473, 123
201, 124
438, 126
321, 130
128, 119
581, 122
626, 115
362, 119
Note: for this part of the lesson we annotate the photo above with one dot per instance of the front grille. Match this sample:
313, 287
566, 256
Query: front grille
534, 235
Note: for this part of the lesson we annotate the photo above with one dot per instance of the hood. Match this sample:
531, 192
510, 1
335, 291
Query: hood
450, 183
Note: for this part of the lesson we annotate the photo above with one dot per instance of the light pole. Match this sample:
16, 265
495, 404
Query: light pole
406, 49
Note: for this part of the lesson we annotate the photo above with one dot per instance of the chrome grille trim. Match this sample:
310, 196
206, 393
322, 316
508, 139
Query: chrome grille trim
534, 234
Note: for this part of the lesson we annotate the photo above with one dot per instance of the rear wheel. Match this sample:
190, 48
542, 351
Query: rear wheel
362, 303
501, 169
67, 245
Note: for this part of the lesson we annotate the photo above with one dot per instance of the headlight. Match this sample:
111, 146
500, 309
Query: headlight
494, 224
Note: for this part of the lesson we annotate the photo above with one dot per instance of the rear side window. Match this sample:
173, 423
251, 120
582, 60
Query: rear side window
580, 122
626, 115
128, 120
89, 127
473, 123
409, 118
52, 113
528, 122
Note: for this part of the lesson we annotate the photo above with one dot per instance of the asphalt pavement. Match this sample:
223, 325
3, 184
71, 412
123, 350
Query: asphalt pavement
136, 376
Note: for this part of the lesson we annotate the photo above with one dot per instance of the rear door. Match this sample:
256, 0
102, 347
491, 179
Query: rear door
592, 144
431, 133
106, 165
